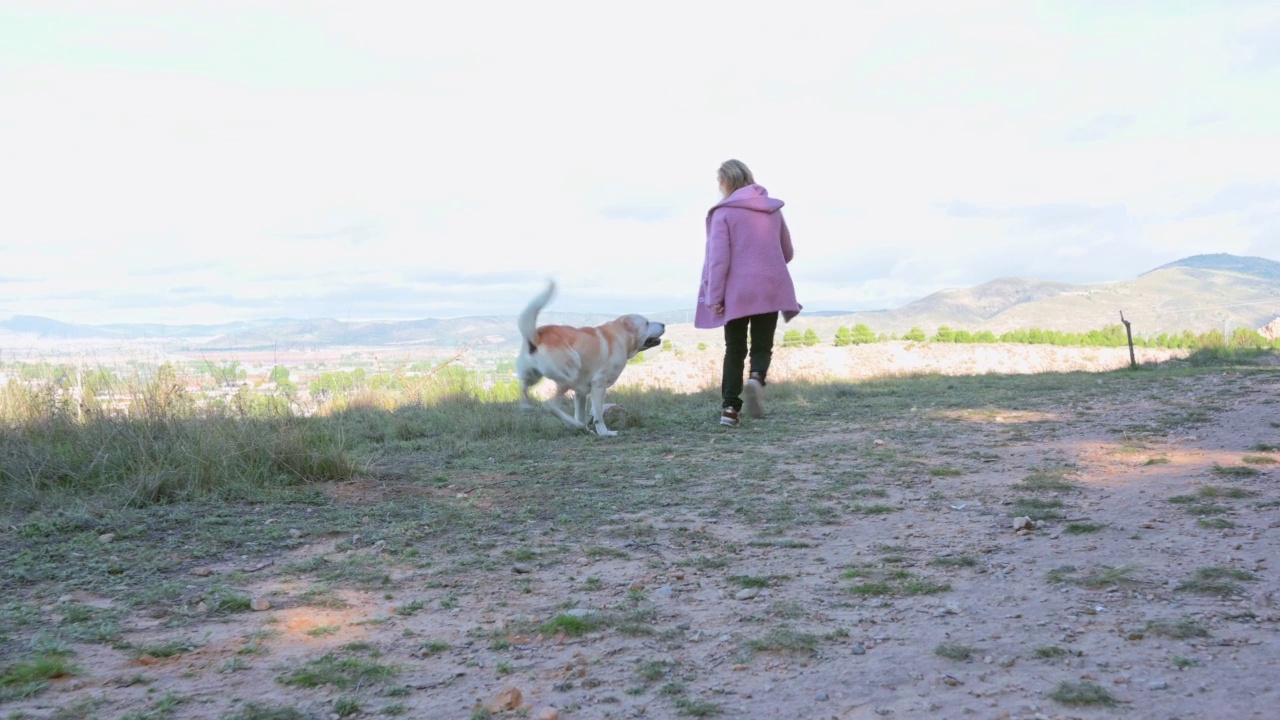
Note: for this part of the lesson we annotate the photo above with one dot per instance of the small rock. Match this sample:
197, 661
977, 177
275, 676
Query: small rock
579, 612
859, 649
663, 592
202, 571
823, 697
259, 604
202, 607
295, 533
504, 700
1157, 685
1023, 523
746, 593
878, 443
582, 561
521, 569
637, 586
547, 713
106, 538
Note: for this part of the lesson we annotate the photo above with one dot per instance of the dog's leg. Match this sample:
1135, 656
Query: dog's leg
597, 410
580, 406
554, 406
529, 376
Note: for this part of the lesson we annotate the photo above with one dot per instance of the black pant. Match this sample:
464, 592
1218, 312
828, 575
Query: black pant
761, 328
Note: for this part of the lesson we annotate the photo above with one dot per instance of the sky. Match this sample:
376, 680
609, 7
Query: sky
210, 162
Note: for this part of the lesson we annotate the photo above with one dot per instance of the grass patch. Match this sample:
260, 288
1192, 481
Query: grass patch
1096, 579
1202, 509
783, 639
1045, 481
1082, 693
1236, 472
1038, 508
1182, 629
1214, 580
1259, 460
1215, 523
341, 673
1051, 652
953, 651
257, 711
874, 582
875, 509
756, 581
696, 708
1083, 528
30, 676
166, 649
955, 561
161, 708
1159, 460
945, 471
572, 625
1267, 447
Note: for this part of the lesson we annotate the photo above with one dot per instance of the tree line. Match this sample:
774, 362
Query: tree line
1109, 336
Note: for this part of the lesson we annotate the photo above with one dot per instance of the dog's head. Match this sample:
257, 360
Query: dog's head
645, 334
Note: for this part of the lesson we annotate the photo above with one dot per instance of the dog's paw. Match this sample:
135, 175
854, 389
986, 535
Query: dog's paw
606, 432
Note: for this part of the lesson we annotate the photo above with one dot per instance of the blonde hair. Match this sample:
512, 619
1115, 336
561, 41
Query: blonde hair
734, 174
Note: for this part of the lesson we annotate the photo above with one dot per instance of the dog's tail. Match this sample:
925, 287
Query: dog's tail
528, 322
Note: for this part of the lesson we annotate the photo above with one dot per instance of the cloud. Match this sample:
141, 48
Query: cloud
639, 213
1260, 45
1102, 127
1237, 198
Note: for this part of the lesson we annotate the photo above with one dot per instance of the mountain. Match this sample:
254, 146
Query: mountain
1252, 266
1197, 293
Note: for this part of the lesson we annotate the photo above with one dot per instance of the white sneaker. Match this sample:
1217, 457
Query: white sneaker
753, 397
729, 417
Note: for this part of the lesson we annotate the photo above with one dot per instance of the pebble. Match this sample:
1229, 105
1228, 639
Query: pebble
547, 713
521, 569
259, 604
663, 592
581, 561
823, 697
746, 593
859, 649
1157, 685
1023, 523
579, 612
295, 533
106, 538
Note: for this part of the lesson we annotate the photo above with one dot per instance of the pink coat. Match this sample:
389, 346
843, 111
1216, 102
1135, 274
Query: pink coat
748, 248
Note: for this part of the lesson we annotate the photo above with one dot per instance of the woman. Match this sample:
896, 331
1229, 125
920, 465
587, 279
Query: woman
745, 284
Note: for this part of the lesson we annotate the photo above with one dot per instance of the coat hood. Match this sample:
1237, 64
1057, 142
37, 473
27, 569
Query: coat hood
751, 197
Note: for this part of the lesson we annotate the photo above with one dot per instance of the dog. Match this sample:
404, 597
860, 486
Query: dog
586, 360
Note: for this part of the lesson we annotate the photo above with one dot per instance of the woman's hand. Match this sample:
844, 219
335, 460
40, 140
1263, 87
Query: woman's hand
717, 309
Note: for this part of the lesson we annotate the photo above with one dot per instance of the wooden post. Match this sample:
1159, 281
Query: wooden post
1133, 361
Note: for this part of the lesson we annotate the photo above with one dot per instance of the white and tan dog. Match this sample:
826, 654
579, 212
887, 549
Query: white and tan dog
587, 361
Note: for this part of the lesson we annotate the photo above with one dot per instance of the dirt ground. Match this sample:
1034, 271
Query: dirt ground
1102, 591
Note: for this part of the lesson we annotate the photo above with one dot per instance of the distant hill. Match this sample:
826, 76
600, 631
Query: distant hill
1254, 266
1197, 293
